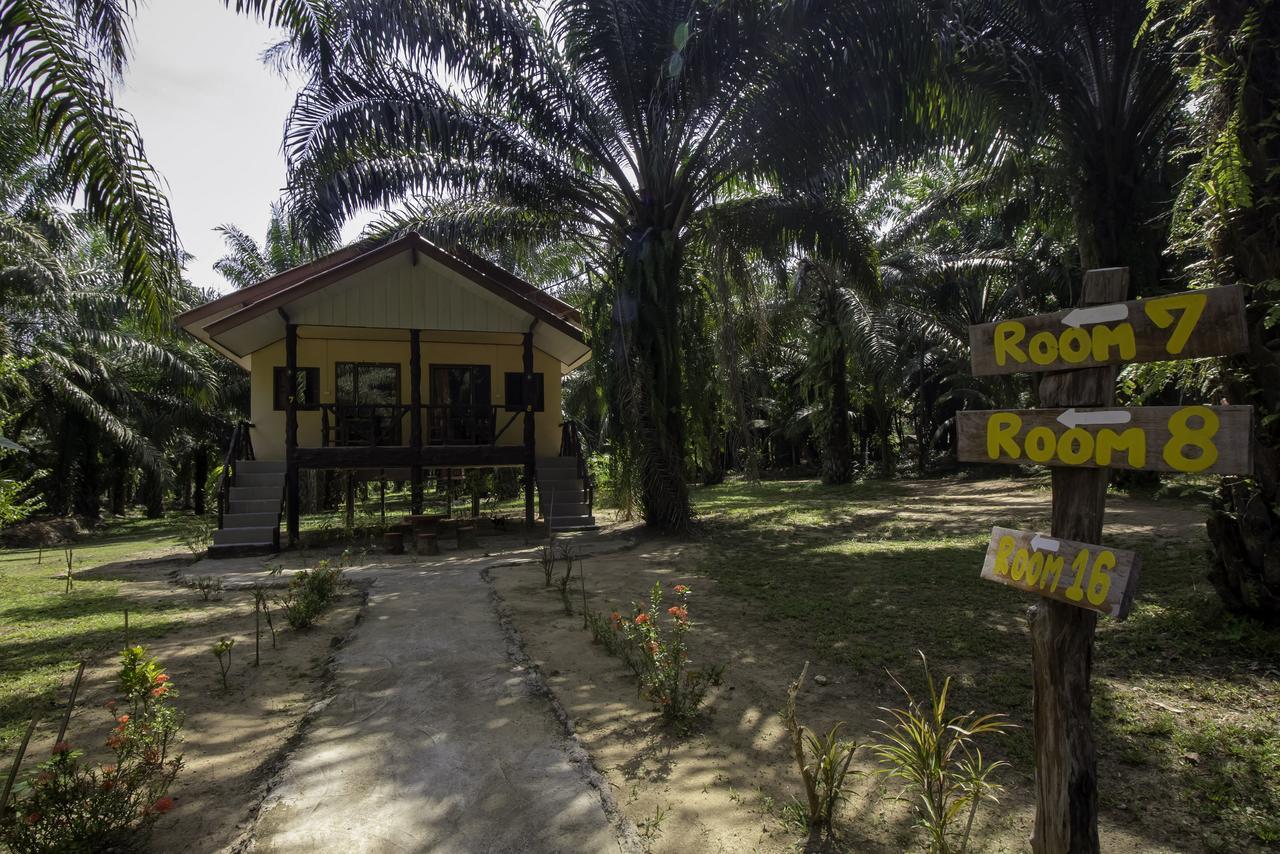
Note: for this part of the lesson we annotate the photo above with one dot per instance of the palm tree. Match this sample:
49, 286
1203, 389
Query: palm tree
62, 56
284, 248
1096, 86
614, 126
1232, 229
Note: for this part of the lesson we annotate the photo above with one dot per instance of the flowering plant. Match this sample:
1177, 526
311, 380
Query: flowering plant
70, 804
659, 655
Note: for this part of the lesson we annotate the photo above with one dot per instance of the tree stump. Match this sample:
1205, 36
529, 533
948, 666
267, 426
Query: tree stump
466, 536
427, 543
393, 543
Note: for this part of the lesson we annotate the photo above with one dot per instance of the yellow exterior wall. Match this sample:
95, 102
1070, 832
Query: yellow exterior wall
501, 352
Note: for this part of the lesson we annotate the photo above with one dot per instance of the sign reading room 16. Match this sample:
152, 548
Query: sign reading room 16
1208, 439
1181, 326
1080, 574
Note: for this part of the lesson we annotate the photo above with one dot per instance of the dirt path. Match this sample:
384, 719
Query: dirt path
434, 739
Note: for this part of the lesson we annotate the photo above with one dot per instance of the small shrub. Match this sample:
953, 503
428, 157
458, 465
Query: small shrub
823, 761
67, 804
210, 587
570, 558
222, 649
262, 605
661, 658
934, 754
547, 559
311, 592
195, 532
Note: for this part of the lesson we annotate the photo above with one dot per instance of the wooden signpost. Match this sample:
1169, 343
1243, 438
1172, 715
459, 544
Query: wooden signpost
1179, 326
1080, 434
1079, 574
1183, 439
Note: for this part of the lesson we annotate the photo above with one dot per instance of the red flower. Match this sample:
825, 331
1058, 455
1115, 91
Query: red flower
679, 613
642, 618
108, 770
653, 648
122, 720
62, 747
114, 741
111, 706
159, 690
33, 818
162, 805
680, 588
44, 777
162, 678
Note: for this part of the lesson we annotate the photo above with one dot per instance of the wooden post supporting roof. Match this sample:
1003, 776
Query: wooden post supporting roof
415, 428
1062, 634
530, 451
292, 492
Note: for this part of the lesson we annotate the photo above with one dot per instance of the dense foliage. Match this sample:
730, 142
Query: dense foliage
778, 218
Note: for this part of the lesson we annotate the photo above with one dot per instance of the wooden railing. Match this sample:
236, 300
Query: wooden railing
239, 448
343, 425
572, 445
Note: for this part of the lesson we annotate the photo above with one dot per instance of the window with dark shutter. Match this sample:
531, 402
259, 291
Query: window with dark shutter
514, 396
308, 388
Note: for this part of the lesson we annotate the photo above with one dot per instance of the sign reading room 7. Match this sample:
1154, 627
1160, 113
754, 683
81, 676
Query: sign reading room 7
1180, 326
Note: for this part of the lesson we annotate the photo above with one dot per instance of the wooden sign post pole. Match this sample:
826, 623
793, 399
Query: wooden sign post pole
1062, 634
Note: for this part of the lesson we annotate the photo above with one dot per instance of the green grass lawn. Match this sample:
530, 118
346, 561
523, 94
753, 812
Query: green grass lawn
868, 574
45, 631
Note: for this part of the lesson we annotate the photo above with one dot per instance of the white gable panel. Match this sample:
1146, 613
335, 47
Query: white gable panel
398, 294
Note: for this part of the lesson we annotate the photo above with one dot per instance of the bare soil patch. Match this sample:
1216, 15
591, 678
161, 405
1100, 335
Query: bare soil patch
231, 738
722, 788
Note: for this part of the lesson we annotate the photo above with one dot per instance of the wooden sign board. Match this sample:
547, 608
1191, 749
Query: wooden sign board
1080, 574
1188, 325
1184, 439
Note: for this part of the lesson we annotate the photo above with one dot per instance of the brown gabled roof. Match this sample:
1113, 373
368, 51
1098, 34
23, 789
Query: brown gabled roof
258, 299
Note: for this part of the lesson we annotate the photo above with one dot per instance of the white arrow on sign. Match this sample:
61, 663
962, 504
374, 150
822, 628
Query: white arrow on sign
1074, 418
1043, 544
1096, 314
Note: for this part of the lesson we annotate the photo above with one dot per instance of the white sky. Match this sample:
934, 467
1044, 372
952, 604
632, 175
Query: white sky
212, 118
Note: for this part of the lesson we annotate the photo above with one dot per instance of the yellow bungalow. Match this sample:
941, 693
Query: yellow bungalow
402, 357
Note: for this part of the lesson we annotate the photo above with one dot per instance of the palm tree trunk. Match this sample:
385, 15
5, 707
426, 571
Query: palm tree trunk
119, 482
837, 462
647, 316
88, 493
200, 478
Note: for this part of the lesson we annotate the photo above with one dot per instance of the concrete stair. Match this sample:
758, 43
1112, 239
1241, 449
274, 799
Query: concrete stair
561, 497
251, 524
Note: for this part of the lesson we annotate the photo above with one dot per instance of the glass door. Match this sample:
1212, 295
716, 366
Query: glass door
368, 403
461, 405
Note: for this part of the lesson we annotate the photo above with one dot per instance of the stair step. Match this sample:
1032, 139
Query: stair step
270, 478
250, 505
242, 550
559, 483
256, 493
577, 523
261, 519
244, 536
565, 508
